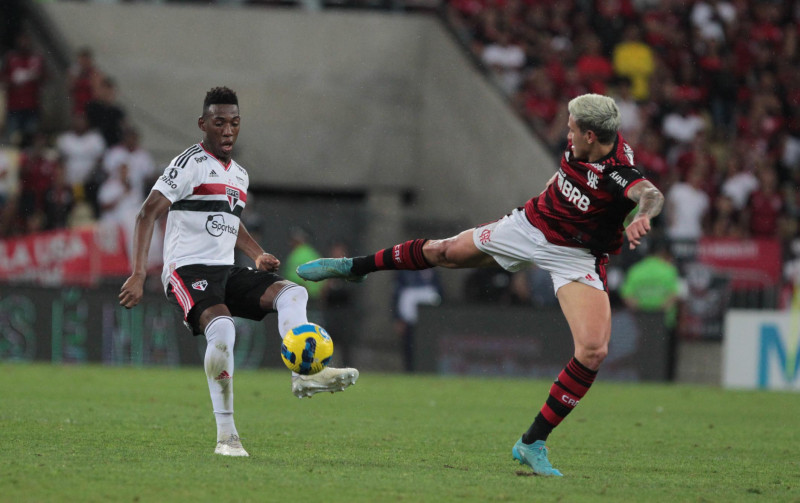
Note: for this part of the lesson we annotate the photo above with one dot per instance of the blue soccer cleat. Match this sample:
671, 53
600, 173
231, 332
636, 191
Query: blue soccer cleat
535, 456
327, 268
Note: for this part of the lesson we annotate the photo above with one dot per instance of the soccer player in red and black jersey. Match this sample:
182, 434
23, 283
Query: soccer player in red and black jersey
568, 230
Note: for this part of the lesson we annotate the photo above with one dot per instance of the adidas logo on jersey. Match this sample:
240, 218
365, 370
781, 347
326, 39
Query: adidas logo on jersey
213, 173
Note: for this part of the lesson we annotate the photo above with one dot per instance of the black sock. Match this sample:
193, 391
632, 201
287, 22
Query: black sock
363, 265
539, 430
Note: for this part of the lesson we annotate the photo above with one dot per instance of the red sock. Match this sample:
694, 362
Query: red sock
571, 385
406, 255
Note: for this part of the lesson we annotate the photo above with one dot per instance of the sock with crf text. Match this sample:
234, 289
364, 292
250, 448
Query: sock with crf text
571, 385
406, 255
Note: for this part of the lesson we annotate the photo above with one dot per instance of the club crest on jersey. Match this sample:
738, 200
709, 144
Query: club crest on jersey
591, 179
200, 285
628, 153
233, 196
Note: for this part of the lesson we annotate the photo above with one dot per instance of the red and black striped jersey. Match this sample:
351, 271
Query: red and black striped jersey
587, 203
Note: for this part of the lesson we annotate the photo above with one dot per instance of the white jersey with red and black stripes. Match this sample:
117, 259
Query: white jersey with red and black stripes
207, 199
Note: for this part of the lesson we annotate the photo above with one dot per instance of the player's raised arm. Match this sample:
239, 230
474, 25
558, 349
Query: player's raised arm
154, 207
650, 201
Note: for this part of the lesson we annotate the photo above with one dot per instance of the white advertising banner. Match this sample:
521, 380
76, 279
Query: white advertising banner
761, 350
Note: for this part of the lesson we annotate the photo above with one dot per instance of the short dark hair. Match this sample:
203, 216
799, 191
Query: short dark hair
219, 96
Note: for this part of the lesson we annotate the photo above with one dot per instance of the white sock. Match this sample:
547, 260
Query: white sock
221, 335
291, 306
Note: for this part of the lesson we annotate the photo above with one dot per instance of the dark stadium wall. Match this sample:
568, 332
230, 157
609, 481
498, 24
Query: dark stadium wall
329, 99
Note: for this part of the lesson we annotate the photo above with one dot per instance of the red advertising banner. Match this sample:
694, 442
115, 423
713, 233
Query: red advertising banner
65, 257
750, 263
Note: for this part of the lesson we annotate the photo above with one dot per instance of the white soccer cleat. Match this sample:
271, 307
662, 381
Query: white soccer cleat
231, 446
327, 379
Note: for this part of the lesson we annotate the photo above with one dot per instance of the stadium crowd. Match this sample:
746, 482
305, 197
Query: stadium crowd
94, 170
709, 91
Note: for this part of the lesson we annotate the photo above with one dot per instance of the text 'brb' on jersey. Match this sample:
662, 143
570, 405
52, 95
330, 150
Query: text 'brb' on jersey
586, 206
207, 201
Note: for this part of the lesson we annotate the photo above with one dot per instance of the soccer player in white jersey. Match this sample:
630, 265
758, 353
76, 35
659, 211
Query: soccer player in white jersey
205, 191
568, 230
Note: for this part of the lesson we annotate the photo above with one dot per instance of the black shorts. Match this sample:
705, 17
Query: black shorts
195, 288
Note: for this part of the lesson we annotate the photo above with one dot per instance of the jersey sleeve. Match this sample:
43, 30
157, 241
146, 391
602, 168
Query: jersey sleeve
176, 183
623, 178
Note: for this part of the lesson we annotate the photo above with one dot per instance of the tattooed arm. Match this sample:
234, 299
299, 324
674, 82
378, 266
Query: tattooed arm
650, 201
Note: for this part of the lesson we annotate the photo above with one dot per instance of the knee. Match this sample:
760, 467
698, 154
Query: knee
591, 355
291, 293
283, 293
441, 252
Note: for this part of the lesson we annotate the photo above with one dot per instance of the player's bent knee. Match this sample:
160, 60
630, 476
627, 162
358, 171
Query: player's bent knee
591, 355
290, 293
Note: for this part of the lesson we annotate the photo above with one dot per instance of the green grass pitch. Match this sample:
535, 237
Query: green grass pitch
93, 433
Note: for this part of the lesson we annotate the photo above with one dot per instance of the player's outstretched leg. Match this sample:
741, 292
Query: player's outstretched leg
408, 255
291, 303
535, 456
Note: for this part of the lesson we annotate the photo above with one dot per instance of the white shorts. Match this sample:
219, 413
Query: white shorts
515, 243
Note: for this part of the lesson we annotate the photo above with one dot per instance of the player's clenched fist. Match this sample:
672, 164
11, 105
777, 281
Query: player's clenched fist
132, 290
267, 262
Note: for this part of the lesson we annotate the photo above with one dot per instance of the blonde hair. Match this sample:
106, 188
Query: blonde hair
597, 113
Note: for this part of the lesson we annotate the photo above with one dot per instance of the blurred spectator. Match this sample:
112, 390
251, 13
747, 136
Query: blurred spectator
722, 86
301, 252
726, 220
635, 60
8, 209
540, 287
713, 19
594, 68
631, 117
58, 200
118, 200
339, 307
119, 203
739, 182
682, 125
81, 149
22, 75
37, 165
506, 59
412, 289
698, 156
141, 166
104, 113
609, 19
653, 285
5, 179
82, 79
763, 210
649, 155
687, 208
538, 101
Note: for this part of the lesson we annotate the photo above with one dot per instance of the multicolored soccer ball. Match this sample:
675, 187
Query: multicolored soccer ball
307, 349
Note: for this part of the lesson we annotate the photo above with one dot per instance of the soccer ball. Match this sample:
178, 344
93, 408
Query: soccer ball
307, 349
